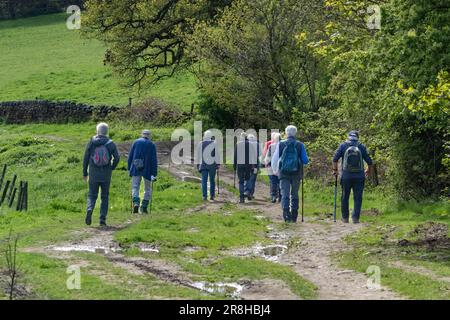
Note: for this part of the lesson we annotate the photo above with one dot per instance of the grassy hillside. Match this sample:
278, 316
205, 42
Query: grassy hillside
41, 58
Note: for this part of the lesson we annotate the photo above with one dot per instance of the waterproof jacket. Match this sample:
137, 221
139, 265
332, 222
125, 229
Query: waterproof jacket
246, 154
208, 155
145, 150
340, 152
302, 156
100, 174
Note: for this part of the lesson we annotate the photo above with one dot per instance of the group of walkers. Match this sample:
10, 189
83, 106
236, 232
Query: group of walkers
101, 157
283, 159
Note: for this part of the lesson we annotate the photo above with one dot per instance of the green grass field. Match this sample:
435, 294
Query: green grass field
41, 58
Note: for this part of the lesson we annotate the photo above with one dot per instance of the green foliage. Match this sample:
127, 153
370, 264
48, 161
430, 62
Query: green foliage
144, 38
252, 66
399, 100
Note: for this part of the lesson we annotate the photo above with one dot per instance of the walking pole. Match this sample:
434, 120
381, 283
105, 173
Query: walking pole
218, 181
151, 199
131, 200
335, 197
303, 202
234, 179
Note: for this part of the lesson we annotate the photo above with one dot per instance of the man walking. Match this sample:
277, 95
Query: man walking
208, 157
353, 154
245, 162
99, 153
142, 164
288, 160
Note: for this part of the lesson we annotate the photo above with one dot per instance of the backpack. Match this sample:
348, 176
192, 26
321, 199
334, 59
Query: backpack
138, 164
101, 156
289, 162
353, 160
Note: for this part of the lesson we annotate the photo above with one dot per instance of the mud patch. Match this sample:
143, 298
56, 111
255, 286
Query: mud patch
20, 292
267, 289
371, 212
431, 234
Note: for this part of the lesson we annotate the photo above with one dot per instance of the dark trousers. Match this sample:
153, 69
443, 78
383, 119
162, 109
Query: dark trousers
94, 187
357, 185
244, 173
275, 191
289, 197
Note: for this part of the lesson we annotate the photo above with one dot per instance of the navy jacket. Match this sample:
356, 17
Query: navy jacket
210, 160
246, 154
341, 152
99, 174
143, 149
301, 150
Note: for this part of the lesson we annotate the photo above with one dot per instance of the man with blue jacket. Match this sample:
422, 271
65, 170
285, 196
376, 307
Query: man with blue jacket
142, 163
287, 162
353, 155
208, 156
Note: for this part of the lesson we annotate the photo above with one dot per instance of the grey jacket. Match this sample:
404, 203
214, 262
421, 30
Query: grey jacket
99, 174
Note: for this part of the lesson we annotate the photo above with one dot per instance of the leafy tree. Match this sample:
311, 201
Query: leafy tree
252, 62
145, 38
393, 84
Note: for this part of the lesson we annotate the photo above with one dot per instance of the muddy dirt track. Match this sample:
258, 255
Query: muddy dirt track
310, 257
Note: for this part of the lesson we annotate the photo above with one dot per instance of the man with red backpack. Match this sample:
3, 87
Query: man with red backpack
101, 158
353, 155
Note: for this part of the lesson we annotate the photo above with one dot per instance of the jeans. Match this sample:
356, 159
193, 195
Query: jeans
251, 184
289, 197
357, 185
93, 195
136, 187
244, 173
274, 186
211, 174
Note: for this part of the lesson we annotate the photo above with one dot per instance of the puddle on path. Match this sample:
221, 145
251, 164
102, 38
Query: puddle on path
101, 249
270, 253
232, 290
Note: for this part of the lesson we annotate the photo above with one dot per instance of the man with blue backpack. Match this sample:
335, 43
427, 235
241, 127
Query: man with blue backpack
142, 164
101, 158
287, 162
353, 155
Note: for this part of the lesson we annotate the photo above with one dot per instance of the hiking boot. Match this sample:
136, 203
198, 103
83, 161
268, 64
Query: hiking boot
205, 199
103, 225
355, 221
136, 202
88, 219
242, 200
274, 200
294, 216
286, 215
144, 210
344, 220
144, 206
